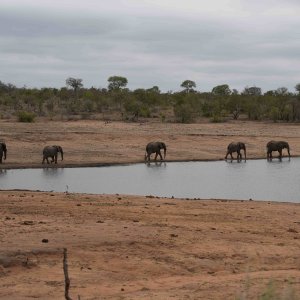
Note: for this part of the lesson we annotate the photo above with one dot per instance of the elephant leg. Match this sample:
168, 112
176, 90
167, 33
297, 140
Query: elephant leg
156, 153
147, 156
0, 159
280, 154
161, 158
47, 160
55, 159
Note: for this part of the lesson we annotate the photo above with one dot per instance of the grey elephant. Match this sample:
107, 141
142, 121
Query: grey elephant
52, 151
155, 147
277, 146
236, 147
3, 151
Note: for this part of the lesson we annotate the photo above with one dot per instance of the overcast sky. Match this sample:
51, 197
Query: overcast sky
151, 42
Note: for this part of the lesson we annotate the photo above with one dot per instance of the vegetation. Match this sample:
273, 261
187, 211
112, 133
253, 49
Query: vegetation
118, 102
26, 117
270, 292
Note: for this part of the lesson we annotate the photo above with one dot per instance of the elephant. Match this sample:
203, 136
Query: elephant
236, 147
155, 147
277, 146
3, 151
52, 151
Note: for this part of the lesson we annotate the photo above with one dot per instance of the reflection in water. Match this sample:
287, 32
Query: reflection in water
256, 179
278, 159
50, 172
156, 164
2, 172
235, 161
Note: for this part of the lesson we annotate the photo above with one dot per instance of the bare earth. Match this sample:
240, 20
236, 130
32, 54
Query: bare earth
131, 247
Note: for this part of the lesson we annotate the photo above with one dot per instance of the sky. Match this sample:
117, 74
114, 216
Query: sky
151, 43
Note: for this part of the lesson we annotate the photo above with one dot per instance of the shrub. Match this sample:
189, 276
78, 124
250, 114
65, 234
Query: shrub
183, 112
26, 116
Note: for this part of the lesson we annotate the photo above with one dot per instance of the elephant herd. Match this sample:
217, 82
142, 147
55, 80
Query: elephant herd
48, 151
156, 147
271, 146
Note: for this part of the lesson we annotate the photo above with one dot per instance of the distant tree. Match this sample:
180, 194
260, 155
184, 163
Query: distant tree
282, 91
221, 90
154, 89
188, 85
117, 82
270, 93
75, 83
297, 88
252, 91
7, 87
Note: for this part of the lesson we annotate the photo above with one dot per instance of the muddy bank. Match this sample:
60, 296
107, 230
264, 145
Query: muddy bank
127, 247
94, 143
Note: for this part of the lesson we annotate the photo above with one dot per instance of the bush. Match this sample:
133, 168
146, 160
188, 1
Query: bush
26, 117
183, 112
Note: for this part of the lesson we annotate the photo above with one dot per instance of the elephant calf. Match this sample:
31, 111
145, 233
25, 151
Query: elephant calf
277, 146
52, 151
236, 147
3, 151
155, 147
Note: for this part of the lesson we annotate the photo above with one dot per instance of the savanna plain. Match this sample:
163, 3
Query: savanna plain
144, 247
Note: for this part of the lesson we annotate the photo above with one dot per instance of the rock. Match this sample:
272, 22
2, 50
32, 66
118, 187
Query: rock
27, 223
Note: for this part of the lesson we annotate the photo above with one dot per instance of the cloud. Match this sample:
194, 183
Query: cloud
151, 42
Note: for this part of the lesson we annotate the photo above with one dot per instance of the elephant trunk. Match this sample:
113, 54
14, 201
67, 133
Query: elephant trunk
288, 150
245, 154
62, 155
165, 152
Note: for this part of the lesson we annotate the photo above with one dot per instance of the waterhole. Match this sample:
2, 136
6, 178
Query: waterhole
254, 179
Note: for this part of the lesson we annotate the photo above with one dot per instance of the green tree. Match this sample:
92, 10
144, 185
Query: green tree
221, 90
188, 85
154, 89
75, 83
252, 91
116, 83
297, 88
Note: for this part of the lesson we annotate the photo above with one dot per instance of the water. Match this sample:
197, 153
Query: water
255, 179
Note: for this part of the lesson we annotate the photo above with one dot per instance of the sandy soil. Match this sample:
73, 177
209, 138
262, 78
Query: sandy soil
128, 247
96, 142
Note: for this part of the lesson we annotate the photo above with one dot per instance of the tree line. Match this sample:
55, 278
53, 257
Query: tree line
118, 102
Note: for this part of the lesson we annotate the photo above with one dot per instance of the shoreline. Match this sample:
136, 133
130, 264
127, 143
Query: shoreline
111, 164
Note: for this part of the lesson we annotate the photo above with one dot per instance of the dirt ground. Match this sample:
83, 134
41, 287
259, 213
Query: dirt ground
132, 247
